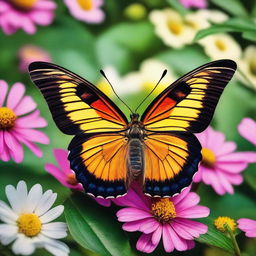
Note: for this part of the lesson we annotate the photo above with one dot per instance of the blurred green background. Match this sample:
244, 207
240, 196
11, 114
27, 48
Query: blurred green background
124, 41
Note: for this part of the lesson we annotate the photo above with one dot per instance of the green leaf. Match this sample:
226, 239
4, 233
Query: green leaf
214, 237
93, 228
243, 26
236, 10
178, 6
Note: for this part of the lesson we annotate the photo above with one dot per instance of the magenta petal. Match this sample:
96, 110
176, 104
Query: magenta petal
133, 225
15, 95
181, 196
179, 229
195, 212
247, 157
144, 244
32, 120
226, 148
3, 91
55, 172
32, 146
132, 214
248, 226
33, 135
156, 236
190, 244
223, 179
61, 156
247, 129
149, 225
232, 167
167, 239
190, 200
25, 106
103, 202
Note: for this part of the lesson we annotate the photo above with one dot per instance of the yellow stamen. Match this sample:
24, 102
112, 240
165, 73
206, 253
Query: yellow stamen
29, 224
209, 157
163, 210
7, 118
71, 179
23, 4
175, 27
252, 66
86, 5
220, 45
221, 223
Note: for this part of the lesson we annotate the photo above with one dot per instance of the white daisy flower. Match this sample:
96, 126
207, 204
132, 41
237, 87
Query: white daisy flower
248, 65
28, 221
148, 75
171, 27
221, 46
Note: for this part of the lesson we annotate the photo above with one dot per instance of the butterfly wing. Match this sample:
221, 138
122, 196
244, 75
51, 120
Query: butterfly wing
77, 106
171, 160
189, 103
100, 163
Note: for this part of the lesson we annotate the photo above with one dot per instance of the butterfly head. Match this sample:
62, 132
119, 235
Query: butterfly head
134, 117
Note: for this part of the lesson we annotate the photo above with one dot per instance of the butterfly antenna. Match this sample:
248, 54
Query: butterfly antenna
163, 75
102, 72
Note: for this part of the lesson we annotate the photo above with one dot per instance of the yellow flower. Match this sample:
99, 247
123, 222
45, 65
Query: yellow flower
221, 223
171, 27
221, 46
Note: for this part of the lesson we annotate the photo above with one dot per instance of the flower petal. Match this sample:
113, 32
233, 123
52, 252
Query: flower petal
167, 239
32, 120
144, 244
34, 196
247, 129
195, 212
23, 245
132, 214
55, 230
15, 95
7, 215
45, 203
3, 91
52, 214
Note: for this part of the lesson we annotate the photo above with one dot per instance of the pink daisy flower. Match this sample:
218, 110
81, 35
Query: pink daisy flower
166, 218
31, 53
194, 3
18, 120
247, 129
88, 11
66, 176
221, 167
25, 14
248, 226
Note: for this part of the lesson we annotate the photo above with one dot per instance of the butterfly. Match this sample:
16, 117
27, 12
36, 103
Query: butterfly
159, 149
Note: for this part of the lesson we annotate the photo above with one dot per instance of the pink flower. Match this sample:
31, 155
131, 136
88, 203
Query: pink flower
31, 53
66, 176
166, 218
248, 226
221, 167
25, 14
247, 129
194, 3
88, 11
18, 118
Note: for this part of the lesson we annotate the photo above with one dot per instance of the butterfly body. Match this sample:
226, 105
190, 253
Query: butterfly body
158, 149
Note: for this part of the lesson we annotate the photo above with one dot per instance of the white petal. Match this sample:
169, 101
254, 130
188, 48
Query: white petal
52, 214
8, 230
17, 198
46, 202
7, 215
55, 230
34, 196
23, 245
5, 240
57, 248
55, 226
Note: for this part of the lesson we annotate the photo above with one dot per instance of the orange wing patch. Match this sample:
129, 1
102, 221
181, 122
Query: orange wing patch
77, 106
189, 103
171, 160
100, 163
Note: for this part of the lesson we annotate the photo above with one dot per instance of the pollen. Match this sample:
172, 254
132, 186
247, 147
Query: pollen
86, 5
175, 27
220, 45
7, 118
163, 210
71, 179
221, 223
209, 157
23, 4
29, 224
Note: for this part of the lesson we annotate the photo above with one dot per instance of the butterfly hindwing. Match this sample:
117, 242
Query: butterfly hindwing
100, 163
171, 160
77, 106
189, 103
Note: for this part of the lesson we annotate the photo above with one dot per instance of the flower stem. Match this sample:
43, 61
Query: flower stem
234, 242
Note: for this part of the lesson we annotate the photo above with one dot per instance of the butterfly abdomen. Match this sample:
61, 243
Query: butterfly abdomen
135, 159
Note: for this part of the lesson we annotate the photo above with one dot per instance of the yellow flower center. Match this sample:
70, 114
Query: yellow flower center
221, 223
209, 157
7, 118
175, 27
71, 179
220, 45
86, 5
253, 66
29, 224
23, 4
163, 210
